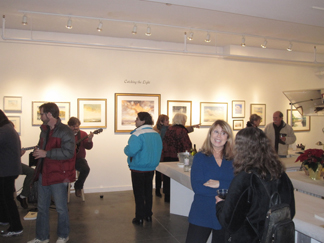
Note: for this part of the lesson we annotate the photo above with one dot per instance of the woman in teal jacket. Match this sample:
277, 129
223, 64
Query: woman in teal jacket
144, 152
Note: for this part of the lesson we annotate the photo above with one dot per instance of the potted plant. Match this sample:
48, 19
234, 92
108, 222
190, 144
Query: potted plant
312, 162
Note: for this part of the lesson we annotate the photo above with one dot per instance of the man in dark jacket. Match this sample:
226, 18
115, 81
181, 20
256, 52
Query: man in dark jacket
55, 169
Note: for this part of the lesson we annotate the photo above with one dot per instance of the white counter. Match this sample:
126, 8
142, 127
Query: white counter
306, 206
303, 183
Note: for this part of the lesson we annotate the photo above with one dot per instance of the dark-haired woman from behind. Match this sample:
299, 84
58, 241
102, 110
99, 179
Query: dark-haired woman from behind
10, 165
255, 164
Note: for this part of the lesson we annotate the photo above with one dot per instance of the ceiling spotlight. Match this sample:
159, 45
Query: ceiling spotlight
134, 32
69, 24
264, 45
148, 31
24, 20
99, 26
190, 37
289, 47
243, 41
207, 38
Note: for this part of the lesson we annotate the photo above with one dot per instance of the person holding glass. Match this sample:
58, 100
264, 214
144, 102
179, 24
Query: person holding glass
212, 169
256, 167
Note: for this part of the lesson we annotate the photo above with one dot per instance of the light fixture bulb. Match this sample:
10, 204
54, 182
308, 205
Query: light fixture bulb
24, 20
148, 31
264, 45
243, 41
207, 38
289, 47
134, 32
69, 24
190, 37
99, 26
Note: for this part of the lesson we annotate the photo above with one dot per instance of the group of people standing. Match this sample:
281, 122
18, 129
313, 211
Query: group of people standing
56, 168
221, 163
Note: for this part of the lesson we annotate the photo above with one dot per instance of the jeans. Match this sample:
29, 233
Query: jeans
142, 188
8, 208
29, 172
59, 193
82, 166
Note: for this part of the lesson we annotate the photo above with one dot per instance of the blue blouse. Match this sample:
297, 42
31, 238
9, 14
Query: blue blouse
203, 208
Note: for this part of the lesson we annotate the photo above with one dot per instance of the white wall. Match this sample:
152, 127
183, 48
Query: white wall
63, 73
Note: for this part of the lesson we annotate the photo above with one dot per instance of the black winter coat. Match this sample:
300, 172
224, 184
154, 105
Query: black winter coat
244, 211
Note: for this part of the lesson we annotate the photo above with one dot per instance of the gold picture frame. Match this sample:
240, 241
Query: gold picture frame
64, 108
127, 105
212, 111
92, 113
180, 106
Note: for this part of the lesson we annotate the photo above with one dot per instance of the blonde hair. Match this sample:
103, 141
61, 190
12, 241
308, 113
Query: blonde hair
179, 118
228, 151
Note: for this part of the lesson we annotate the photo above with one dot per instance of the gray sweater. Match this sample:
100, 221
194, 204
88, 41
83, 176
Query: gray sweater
10, 163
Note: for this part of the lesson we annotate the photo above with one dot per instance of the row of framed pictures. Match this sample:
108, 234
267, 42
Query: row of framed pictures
93, 112
128, 105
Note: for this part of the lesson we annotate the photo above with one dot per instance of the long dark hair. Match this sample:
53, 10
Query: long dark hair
3, 119
162, 118
253, 151
145, 116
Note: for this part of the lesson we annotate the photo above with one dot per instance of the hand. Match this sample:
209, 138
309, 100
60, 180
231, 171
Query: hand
39, 153
218, 199
197, 125
212, 183
90, 136
22, 152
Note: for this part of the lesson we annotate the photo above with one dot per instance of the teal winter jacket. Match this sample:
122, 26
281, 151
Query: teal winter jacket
144, 149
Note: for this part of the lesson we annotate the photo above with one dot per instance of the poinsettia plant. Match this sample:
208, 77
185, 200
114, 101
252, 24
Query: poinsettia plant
312, 158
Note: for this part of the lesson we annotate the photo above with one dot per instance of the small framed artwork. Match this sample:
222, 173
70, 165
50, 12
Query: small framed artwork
238, 125
179, 106
92, 113
128, 105
259, 109
64, 115
12, 103
17, 123
298, 121
212, 111
238, 109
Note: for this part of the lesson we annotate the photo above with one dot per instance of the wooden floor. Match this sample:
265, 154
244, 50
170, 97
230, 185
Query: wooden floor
109, 220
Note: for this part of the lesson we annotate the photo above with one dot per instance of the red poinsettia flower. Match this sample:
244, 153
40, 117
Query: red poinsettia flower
312, 158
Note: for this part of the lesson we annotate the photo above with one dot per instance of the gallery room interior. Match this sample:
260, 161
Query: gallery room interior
52, 65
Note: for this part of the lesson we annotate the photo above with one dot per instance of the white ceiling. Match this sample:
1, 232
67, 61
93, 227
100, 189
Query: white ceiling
279, 21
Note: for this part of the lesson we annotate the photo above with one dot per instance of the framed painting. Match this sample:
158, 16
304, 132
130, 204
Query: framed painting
16, 120
64, 108
12, 103
238, 125
179, 106
238, 109
212, 111
128, 105
92, 113
259, 109
298, 121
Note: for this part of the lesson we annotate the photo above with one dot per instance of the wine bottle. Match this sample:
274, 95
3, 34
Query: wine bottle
193, 150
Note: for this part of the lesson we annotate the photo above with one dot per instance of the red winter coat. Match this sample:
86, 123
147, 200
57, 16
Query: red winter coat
59, 164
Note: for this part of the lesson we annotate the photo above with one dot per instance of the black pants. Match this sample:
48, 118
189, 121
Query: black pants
82, 166
158, 180
199, 234
8, 208
142, 188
